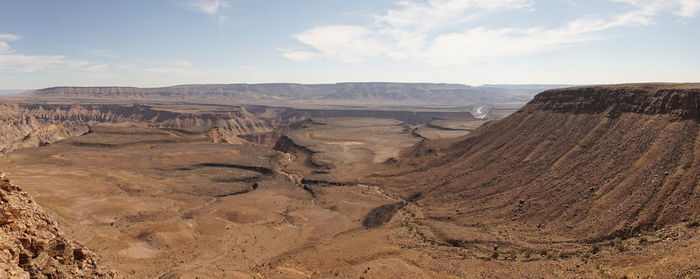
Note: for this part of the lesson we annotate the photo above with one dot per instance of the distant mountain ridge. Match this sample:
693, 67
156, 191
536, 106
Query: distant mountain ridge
370, 93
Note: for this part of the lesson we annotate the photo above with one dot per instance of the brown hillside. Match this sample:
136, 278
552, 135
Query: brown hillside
580, 163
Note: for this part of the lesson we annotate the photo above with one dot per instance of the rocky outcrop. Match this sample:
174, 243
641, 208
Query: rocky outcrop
681, 101
381, 215
46, 134
24, 125
218, 135
32, 246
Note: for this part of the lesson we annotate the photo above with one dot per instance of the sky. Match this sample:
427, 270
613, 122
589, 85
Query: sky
169, 42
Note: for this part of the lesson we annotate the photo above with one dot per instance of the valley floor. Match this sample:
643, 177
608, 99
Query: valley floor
161, 203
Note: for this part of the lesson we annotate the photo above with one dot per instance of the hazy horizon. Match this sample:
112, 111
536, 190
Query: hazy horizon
19, 90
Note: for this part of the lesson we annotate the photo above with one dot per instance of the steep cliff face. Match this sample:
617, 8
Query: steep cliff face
581, 163
679, 101
24, 125
31, 245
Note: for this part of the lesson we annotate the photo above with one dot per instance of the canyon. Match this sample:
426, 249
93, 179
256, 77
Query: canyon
585, 182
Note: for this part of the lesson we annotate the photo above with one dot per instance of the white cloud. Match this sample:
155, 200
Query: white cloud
11, 60
688, 8
173, 63
4, 47
209, 6
346, 43
29, 63
178, 63
683, 8
32, 63
126, 66
429, 31
169, 70
102, 52
178, 68
8, 37
439, 14
298, 55
97, 68
646, 11
485, 44
178, 71
222, 19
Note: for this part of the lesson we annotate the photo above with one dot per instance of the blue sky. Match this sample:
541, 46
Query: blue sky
159, 42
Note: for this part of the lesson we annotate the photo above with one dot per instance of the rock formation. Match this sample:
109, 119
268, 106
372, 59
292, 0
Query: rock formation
679, 101
25, 125
32, 246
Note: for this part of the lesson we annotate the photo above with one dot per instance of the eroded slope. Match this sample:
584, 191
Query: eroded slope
26, 125
574, 164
